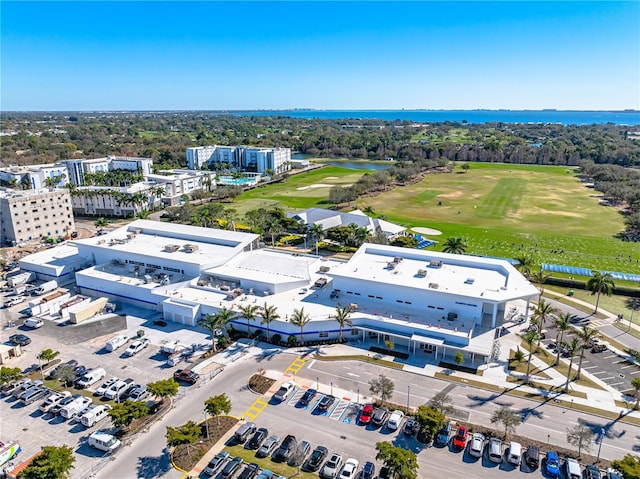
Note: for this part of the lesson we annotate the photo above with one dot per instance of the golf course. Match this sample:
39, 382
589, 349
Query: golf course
503, 210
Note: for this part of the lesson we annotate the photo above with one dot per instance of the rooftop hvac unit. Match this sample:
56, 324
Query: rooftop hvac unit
147, 278
397, 259
100, 242
422, 273
191, 248
171, 248
130, 236
324, 269
392, 265
435, 264
434, 285
116, 261
136, 231
469, 281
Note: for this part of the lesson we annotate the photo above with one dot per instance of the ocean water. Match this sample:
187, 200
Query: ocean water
564, 117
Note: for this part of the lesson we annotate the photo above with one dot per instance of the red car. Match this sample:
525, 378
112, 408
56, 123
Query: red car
460, 439
366, 414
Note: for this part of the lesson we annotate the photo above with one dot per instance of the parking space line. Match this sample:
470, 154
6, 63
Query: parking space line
338, 409
635, 372
625, 367
610, 377
615, 384
600, 372
292, 400
611, 356
589, 367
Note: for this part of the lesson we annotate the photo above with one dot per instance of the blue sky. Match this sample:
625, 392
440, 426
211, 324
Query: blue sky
326, 55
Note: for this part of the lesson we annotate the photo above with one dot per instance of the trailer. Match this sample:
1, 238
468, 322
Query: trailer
21, 278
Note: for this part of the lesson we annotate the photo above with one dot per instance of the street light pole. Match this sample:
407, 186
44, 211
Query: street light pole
408, 396
332, 388
358, 401
317, 383
206, 423
602, 434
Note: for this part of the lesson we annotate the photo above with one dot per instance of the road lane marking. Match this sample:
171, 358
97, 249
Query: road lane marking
296, 365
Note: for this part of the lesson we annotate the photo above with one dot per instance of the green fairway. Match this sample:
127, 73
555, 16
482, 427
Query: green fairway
501, 209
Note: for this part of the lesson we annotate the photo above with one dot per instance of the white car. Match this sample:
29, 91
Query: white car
395, 419
476, 445
349, 469
331, 467
136, 346
284, 391
106, 385
13, 301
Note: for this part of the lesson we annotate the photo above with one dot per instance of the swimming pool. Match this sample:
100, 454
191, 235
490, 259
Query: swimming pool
244, 181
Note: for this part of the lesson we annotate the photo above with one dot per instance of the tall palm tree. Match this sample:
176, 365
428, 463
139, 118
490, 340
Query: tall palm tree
585, 335
317, 233
540, 277
600, 283
300, 318
213, 322
250, 313
524, 263
455, 246
543, 312
342, 318
269, 314
635, 384
562, 324
529, 337
273, 227
572, 349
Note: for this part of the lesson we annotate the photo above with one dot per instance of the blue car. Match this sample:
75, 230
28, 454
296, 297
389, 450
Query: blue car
552, 464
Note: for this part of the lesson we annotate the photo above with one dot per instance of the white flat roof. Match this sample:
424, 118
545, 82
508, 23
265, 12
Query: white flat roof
62, 255
471, 276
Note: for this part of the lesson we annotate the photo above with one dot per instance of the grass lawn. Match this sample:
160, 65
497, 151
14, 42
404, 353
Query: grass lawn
249, 456
502, 210
614, 304
521, 367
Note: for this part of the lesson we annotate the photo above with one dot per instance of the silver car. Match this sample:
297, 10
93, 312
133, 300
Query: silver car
476, 445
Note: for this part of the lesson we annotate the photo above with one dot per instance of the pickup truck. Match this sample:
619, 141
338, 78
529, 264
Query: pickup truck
52, 401
285, 390
136, 346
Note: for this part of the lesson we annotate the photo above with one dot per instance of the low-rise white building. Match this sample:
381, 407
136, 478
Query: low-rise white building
78, 168
244, 158
123, 201
422, 301
35, 177
177, 183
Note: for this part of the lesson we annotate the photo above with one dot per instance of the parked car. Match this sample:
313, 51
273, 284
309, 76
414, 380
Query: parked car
288, 446
257, 439
216, 463
612, 474
476, 445
394, 420
350, 469
52, 400
56, 372
326, 402
495, 450
307, 397
9, 388
250, 472
243, 432
268, 446
105, 385
411, 426
103, 441
315, 459
186, 375
91, 377
298, 456
63, 403
265, 474
231, 468
285, 390
552, 464
572, 468
460, 439
139, 393
380, 416
33, 323
331, 467
20, 339
34, 394
136, 346
25, 386
515, 453
366, 414
442, 437
368, 470
532, 456
592, 472
117, 389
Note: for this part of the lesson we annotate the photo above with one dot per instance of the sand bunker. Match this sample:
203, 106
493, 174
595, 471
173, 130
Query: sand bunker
317, 185
426, 231
332, 178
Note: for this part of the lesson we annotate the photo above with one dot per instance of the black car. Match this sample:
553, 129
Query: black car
411, 426
368, 471
315, 459
20, 339
257, 439
231, 468
380, 416
250, 472
326, 402
287, 447
385, 473
56, 372
307, 397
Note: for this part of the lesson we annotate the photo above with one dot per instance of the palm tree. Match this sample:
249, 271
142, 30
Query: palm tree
525, 261
342, 318
540, 277
249, 312
635, 384
101, 223
585, 335
455, 246
273, 227
317, 233
572, 349
600, 283
562, 324
269, 313
368, 210
300, 318
529, 337
542, 312
213, 322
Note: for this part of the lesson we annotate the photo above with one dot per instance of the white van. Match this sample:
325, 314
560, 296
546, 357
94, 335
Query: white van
33, 323
572, 468
75, 407
103, 441
95, 415
116, 342
91, 377
515, 453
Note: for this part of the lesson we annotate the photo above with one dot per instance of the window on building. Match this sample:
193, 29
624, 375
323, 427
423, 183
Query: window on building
323, 334
355, 332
